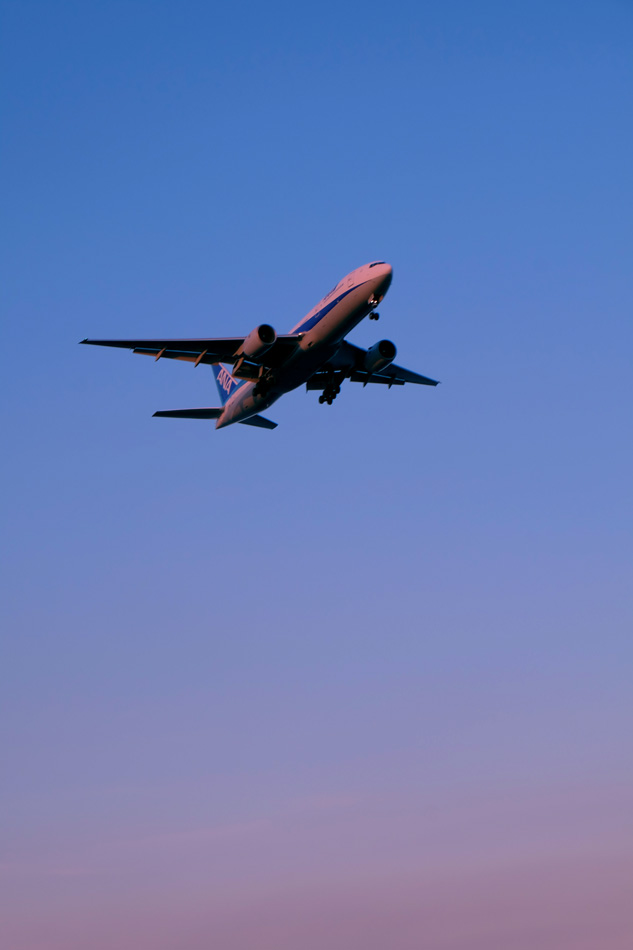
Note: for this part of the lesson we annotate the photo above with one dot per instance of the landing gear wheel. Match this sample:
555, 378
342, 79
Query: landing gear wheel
374, 316
329, 395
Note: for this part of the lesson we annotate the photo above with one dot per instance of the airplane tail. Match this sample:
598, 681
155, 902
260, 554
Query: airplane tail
226, 383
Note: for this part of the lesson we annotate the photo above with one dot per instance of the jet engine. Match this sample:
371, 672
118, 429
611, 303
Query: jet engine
379, 356
258, 342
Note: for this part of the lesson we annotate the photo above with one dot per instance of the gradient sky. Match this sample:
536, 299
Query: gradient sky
364, 681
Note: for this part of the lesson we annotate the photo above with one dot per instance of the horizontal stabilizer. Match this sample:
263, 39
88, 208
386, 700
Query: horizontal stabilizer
260, 422
213, 413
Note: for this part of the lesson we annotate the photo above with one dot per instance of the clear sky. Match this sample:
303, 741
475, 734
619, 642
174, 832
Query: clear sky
363, 681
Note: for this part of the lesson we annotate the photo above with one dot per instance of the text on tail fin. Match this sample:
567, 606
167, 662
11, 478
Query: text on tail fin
226, 383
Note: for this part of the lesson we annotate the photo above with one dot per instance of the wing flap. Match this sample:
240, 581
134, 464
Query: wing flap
393, 376
365, 378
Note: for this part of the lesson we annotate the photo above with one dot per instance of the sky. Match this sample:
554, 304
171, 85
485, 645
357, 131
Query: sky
364, 680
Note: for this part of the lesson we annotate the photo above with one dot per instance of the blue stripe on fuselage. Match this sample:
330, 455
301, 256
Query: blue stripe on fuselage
310, 322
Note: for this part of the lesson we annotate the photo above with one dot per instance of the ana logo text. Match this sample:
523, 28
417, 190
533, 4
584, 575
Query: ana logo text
225, 380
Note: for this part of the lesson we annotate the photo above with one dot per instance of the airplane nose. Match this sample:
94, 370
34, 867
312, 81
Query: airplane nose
387, 274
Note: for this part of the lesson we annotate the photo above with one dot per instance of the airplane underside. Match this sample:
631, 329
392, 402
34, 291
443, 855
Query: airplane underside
266, 366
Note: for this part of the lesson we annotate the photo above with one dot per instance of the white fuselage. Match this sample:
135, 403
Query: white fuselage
322, 331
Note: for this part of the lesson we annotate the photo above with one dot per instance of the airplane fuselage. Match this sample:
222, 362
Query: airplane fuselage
323, 330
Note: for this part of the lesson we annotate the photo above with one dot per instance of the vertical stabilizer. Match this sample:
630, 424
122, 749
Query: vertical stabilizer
227, 384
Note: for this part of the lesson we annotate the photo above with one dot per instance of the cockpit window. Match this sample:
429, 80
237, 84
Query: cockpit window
376, 263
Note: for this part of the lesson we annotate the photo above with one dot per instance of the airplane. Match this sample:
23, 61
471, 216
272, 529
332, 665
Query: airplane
266, 366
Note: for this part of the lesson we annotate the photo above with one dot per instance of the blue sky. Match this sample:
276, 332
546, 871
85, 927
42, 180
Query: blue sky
247, 674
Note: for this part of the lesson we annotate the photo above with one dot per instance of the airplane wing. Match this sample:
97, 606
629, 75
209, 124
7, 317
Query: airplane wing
354, 359
205, 350
392, 376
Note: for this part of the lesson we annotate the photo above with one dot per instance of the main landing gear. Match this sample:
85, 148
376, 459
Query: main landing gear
374, 316
264, 384
329, 395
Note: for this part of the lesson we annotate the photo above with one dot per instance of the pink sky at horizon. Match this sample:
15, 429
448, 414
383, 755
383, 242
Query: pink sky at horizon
550, 869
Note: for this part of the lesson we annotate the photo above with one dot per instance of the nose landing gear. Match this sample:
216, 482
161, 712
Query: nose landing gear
373, 302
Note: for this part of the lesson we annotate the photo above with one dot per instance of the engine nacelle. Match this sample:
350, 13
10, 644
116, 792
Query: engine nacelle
379, 356
258, 342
